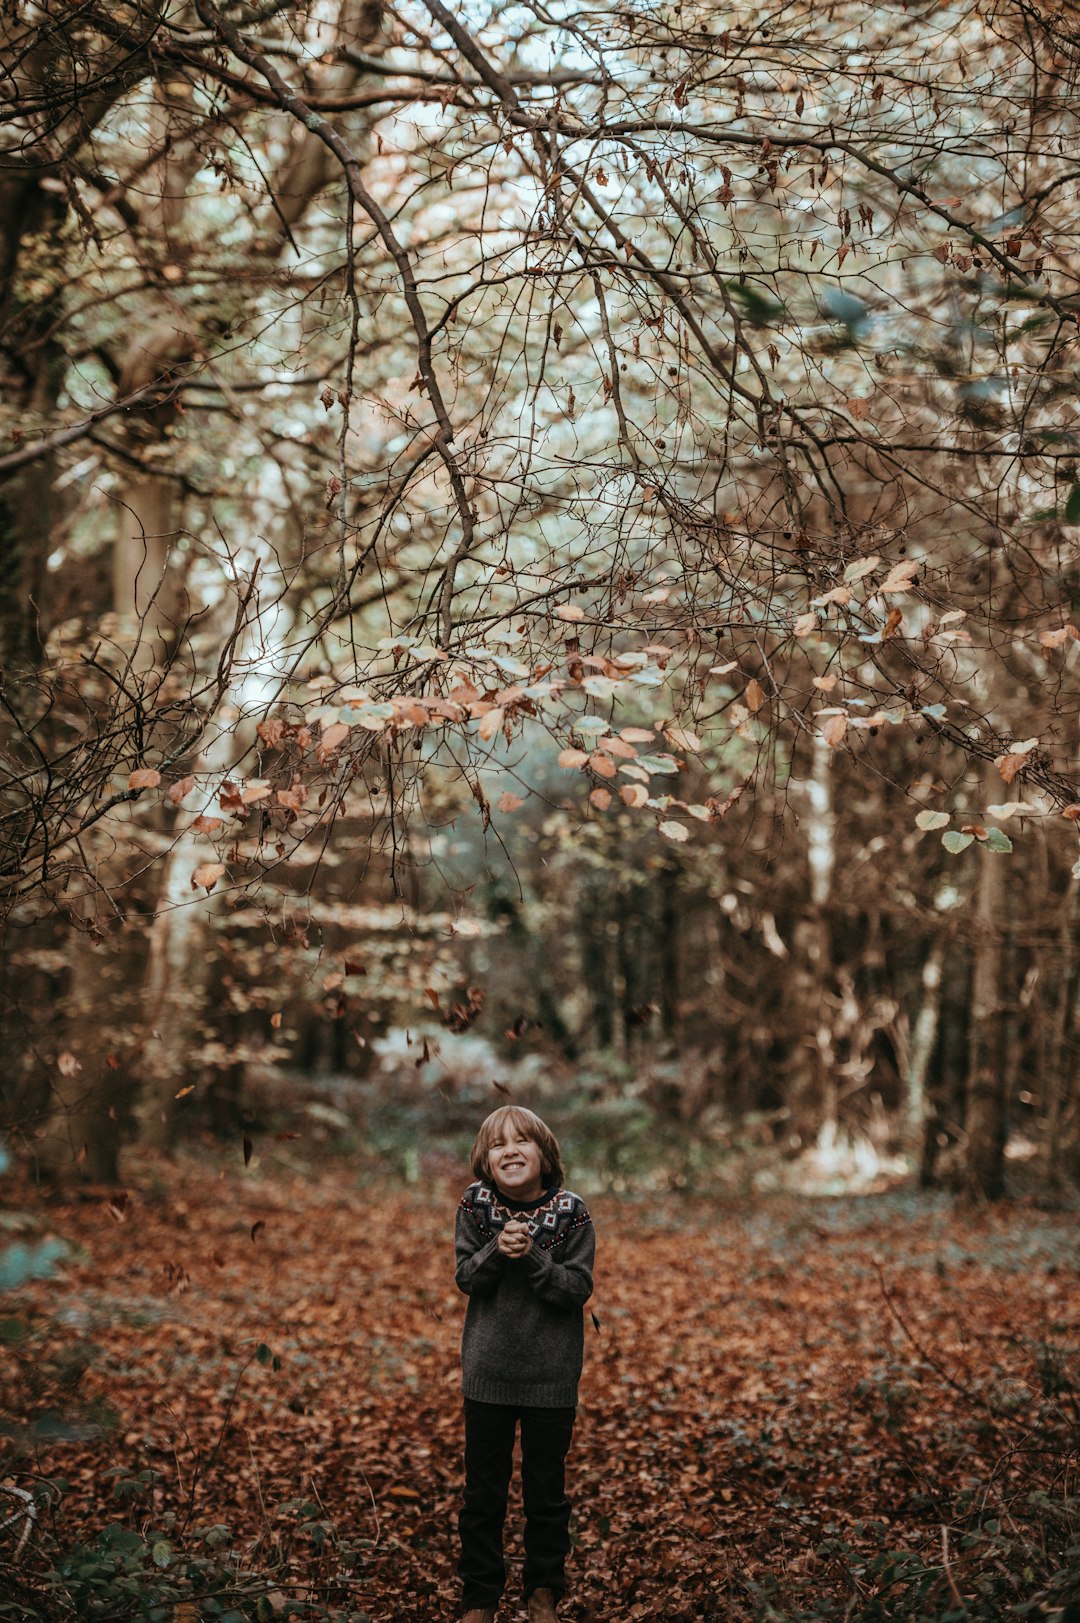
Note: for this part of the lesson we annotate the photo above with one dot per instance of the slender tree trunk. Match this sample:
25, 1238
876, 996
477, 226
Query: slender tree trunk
921, 1048
986, 1104
669, 949
172, 998
812, 1093
82, 1136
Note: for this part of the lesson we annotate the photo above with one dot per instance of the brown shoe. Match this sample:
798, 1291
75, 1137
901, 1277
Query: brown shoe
542, 1607
480, 1614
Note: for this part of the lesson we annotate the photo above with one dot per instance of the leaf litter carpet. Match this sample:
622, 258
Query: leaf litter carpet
777, 1391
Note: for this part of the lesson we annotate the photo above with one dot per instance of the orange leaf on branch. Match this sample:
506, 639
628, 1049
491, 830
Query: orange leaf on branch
1010, 765
206, 875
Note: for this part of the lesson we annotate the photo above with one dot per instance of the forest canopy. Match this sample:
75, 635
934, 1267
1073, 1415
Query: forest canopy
547, 519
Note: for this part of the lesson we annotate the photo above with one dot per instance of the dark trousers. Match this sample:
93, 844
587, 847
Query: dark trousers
489, 1458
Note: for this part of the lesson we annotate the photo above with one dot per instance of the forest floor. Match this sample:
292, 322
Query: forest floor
852, 1408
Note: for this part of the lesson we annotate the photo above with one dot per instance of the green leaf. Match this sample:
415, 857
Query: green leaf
997, 840
161, 1553
932, 819
954, 841
1072, 506
263, 1353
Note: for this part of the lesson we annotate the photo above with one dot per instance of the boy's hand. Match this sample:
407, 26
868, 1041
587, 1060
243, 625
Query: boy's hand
515, 1239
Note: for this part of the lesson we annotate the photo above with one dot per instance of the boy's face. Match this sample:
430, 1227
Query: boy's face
516, 1164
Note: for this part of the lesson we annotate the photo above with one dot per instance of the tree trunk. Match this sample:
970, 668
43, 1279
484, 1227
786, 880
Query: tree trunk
812, 1094
986, 1103
172, 995
921, 1048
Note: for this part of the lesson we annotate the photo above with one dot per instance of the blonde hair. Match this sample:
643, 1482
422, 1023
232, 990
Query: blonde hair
529, 1124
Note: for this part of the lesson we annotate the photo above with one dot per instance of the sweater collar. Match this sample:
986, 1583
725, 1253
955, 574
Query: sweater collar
524, 1205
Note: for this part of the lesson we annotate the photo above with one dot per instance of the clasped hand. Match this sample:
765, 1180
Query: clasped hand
515, 1239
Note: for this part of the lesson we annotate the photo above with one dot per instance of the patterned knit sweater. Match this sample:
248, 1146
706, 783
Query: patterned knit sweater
523, 1340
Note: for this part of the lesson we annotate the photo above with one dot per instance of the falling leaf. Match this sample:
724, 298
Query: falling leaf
248, 1147
144, 778
275, 1020
674, 831
207, 875
257, 1228
185, 1091
754, 695
509, 802
67, 1064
